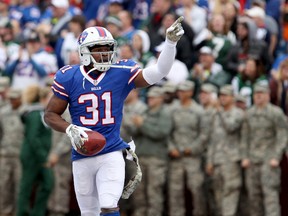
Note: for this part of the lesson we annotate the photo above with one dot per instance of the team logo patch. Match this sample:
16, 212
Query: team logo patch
82, 37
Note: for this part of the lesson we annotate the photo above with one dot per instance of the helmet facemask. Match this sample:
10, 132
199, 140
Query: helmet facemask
105, 58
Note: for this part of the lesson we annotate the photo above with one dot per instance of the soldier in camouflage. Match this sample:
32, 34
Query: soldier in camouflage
266, 140
133, 106
223, 155
208, 99
186, 147
60, 160
10, 144
4, 87
155, 126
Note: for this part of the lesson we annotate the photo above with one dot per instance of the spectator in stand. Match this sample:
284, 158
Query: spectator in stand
32, 64
68, 42
184, 47
114, 25
267, 29
195, 17
279, 87
29, 15
140, 10
4, 88
159, 9
231, 13
141, 46
219, 40
109, 8
58, 15
8, 45
34, 154
128, 29
206, 70
253, 74
247, 45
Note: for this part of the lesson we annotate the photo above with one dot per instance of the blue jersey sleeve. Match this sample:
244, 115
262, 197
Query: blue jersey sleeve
132, 69
62, 81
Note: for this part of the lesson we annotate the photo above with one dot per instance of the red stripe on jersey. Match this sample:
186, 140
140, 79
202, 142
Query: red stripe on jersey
101, 31
134, 76
58, 85
62, 93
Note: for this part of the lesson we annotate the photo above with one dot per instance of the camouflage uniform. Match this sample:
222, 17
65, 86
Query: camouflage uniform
10, 169
129, 131
267, 137
152, 150
188, 134
207, 119
4, 86
59, 199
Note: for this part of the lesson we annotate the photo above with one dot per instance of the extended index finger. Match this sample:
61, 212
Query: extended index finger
179, 20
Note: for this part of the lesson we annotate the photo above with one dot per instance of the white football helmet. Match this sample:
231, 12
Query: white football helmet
92, 37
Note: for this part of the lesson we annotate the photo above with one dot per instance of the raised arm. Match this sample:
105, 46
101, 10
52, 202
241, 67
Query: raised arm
155, 73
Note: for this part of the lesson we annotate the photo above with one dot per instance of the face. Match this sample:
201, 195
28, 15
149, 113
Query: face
250, 68
226, 100
284, 73
229, 11
168, 20
126, 52
204, 98
206, 60
242, 31
218, 23
154, 102
184, 95
15, 102
101, 53
260, 98
137, 42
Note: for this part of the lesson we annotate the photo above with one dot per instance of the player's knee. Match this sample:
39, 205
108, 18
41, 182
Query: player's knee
110, 212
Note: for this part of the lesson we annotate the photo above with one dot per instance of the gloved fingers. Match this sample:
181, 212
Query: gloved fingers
177, 22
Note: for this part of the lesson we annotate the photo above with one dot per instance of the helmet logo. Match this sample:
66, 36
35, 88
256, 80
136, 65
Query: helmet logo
82, 37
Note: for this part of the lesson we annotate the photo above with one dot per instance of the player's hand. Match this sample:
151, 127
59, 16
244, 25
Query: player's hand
77, 135
175, 31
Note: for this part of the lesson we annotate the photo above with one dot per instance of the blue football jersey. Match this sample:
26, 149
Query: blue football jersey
96, 102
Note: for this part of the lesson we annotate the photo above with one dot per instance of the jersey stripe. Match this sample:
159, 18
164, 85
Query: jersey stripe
101, 31
134, 76
62, 93
58, 85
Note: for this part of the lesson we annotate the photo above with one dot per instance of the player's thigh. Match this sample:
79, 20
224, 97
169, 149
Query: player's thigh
110, 179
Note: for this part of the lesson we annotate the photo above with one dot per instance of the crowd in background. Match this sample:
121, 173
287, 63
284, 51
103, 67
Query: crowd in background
212, 137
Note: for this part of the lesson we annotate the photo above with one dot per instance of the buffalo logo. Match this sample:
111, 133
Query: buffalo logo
82, 37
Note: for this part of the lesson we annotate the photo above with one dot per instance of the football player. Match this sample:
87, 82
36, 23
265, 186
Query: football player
95, 92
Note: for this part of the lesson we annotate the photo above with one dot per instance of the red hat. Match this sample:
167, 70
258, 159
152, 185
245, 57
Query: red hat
5, 1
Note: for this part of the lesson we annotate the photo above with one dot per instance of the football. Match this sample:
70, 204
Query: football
93, 144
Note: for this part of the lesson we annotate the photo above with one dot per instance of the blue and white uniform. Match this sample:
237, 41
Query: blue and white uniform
96, 102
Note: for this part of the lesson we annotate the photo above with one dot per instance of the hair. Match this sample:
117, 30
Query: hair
44, 92
81, 20
259, 69
31, 94
283, 64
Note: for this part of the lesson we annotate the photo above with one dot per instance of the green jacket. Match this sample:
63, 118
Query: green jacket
37, 135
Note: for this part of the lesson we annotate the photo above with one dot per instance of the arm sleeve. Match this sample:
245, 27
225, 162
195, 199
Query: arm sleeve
155, 73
